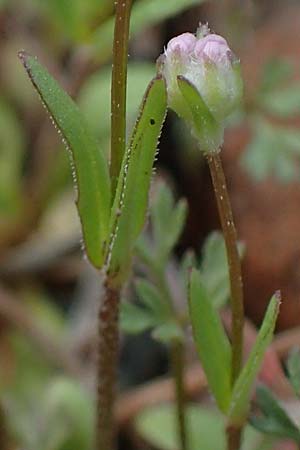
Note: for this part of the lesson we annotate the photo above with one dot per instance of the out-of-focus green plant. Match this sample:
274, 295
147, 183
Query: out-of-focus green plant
274, 147
275, 418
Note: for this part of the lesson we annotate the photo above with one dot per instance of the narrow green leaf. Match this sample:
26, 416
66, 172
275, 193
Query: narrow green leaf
207, 130
131, 200
275, 421
293, 367
90, 167
211, 341
240, 401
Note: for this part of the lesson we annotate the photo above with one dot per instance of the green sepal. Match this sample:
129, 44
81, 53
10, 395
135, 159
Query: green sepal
207, 130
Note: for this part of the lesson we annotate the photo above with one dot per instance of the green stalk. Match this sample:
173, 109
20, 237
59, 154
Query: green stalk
108, 347
118, 88
234, 263
177, 360
233, 433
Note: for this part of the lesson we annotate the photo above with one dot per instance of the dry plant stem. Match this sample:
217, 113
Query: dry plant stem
118, 88
107, 367
234, 264
177, 359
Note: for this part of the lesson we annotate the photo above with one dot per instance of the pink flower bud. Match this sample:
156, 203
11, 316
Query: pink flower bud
183, 44
213, 48
205, 61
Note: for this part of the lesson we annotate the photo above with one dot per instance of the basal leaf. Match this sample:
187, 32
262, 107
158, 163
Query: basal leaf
240, 401
131, 199
90, 168
211, 341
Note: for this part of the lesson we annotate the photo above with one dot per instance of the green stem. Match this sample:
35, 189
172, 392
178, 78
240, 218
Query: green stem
234, 264
177, 360
118, 88
108, 347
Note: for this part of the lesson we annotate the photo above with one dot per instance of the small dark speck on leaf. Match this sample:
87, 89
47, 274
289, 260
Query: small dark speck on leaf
152, 121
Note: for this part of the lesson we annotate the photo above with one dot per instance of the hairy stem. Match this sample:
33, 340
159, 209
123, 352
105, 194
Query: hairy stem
177, 359
108, 347
107, 367
233, 437
118, 88
234, 264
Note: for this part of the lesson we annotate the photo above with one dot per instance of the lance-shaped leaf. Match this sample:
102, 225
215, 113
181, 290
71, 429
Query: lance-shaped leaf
211, 341
204, 126
131, 199
240, 401
90, 169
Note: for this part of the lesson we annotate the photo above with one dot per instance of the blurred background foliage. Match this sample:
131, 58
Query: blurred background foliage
48, 293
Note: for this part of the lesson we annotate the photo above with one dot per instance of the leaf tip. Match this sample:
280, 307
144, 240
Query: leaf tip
23, 56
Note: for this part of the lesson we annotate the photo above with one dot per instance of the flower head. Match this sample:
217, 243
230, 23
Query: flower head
206, 61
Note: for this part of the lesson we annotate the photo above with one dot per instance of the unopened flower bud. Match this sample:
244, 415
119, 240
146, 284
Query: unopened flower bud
207, 62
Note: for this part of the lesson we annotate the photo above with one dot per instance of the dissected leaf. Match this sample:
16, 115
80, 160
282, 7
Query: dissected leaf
168, 220
211, 341
214, 269
275, 72
275, 421
240, 401
131, 200
134, 319
273, 151
152, 299
168, 331
90, 167
284, 102
293, 367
